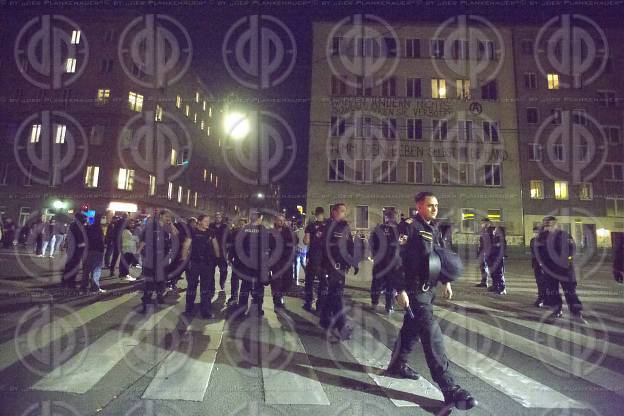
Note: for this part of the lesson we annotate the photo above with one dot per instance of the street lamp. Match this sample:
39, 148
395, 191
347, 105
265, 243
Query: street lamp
58, 204
236, 125
260, 195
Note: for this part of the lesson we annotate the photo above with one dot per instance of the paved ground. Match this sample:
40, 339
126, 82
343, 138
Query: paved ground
98, 356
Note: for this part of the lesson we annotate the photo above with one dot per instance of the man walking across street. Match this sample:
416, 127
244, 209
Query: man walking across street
426, 262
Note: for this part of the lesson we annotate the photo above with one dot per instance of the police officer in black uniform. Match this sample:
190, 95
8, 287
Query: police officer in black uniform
340, 256
220, 228
234, 261
203, 258
537, 269
314, 237
556, 249
426, 262
282, 246
252, 251
384, 247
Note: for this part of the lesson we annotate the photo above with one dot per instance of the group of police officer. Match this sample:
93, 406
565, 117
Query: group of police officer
409, 259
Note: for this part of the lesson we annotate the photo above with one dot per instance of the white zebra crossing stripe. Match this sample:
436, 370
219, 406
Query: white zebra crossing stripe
593, 340
522, 389
293, 382
102, 356
181, 377
577, 367
422, 387
47, 334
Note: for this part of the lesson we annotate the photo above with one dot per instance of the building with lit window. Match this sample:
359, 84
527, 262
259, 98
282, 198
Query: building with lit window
111, 138
570, 130
400, 109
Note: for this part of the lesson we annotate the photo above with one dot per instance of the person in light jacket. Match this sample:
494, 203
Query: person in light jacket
129, 250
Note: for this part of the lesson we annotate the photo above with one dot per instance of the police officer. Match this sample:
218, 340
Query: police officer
252, 250
384, 247
203, 258
220, 228
556, 249
339, 257
483, 252
159, 239
76, 250
233, 260
537, 269
618, 256
281, 263
314, 237
426, 262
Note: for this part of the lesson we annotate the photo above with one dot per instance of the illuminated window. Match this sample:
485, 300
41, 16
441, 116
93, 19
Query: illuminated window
174, 157
135, 101
195, 118
35, 133
463, 88
179, 194
91, 176
125, 179
469, 222
195, 200
75, 38
537, 189
70, 65
151, 185
197, 97
494, 214
438, 88
170, 190
216, 181
187, 110
205, 175
561, 190
210, 112
59, 135
178, 101
586, 192
188, 197
201, 125
158, 113
204, 105
553, 81
103, 95
207, 130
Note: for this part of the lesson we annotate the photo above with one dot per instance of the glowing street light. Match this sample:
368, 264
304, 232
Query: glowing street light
236, 125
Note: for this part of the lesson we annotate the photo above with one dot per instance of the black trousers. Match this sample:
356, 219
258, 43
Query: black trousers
234, 284
128, 260
382, 282
332, 302
153, 281
553, 296
314, 270
223, 270
114, 259
201, 273
254, 287
497, 271
72, 267
424, 326
540, 281
281, 281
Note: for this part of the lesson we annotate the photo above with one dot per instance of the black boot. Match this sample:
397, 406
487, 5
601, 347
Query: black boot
402, 371
460, 398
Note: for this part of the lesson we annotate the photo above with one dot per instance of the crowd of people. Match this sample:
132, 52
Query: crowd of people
410, 257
